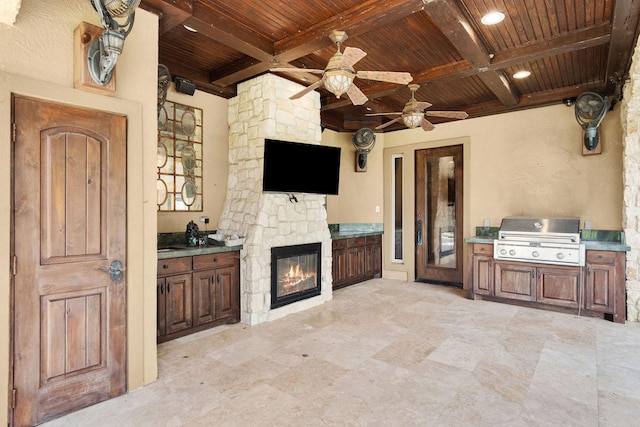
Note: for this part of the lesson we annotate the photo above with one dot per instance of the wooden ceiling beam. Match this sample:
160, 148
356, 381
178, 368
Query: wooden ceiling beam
455, 26
360, 19
171, 12
624, 33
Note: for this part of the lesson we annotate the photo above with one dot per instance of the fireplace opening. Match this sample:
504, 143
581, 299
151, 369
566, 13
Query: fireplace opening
295, 273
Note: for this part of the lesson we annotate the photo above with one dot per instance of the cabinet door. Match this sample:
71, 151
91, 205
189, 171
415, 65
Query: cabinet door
559, 286
339, 266
373, 258
227, 293
515, 281
355, 263
162, 305
203, 297
601, 281
178, 297
483, 275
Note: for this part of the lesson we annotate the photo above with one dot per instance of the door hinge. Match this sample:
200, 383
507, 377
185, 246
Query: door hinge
14, 393
13, 132
14, 265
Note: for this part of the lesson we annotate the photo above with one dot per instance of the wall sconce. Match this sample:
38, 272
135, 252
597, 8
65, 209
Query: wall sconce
104, 51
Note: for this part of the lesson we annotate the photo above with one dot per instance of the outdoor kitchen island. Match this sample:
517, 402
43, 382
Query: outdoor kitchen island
595, 288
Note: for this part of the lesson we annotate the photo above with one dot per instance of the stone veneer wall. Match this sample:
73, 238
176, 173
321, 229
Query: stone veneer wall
261, 110
631, 163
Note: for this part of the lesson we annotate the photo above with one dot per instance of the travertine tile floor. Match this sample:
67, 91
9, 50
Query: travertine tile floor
391, 353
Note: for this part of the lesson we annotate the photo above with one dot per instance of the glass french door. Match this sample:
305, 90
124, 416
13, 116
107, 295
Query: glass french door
438, 238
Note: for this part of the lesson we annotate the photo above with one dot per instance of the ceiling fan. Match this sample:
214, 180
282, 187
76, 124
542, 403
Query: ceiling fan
413, 114
338, 75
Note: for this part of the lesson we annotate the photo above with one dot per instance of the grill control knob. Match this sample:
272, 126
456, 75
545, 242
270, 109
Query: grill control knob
503, 251
512, 252
535, 254
560, 255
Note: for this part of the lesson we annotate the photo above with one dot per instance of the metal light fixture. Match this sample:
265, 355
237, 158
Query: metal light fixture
413, 119
104, 51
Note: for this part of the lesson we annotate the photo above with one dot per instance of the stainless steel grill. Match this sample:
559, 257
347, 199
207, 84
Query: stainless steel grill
540, 240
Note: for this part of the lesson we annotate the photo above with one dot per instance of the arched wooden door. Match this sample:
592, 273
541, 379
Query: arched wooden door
69, 215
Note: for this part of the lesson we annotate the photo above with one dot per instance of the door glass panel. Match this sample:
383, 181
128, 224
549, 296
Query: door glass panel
441, 212
397, 208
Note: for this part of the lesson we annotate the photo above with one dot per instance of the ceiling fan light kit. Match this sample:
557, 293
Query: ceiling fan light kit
413, 114
338, 75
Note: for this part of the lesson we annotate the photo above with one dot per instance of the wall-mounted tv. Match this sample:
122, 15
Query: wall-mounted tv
292, 167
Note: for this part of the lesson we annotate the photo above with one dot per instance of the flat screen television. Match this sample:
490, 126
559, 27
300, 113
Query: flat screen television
292, 167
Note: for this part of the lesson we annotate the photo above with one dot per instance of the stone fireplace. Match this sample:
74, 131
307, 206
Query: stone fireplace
262, 110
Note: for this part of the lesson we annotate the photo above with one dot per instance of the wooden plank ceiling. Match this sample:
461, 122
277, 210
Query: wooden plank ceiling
569, 46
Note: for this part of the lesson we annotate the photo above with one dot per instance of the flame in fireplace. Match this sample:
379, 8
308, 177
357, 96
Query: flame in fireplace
296, 278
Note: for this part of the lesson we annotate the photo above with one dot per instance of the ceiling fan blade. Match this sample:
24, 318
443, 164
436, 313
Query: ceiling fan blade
422, 105
351, 55
296, 70
383, 114
384, 125
307, 90
448, 114
426, 125
386, 76
356, 96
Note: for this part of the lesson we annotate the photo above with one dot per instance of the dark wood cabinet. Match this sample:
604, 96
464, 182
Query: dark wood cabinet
482, 270
559, 286
204, 294
373, 256
515, 281
605, 283
598, 287
356, 259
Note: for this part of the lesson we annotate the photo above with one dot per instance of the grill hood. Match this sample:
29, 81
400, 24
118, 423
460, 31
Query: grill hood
527, 224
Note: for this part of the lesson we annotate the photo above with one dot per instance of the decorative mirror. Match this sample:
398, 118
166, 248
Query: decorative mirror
179, 184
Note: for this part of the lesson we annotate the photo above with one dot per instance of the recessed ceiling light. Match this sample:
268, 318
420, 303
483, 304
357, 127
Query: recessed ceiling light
492, 18
188, 28
522, 74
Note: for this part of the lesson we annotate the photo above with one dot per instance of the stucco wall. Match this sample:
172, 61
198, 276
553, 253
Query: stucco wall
523, 163
36, 59
360, 193
215, 156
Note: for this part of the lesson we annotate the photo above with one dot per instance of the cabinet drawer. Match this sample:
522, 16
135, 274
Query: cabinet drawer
339, 244
215, 260
356, 241
374, 240
482, 248
174, 265
601, 257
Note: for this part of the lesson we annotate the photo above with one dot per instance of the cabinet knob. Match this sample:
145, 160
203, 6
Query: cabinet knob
165, 266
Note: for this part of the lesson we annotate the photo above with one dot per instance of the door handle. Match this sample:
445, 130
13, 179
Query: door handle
116, 270
419, 232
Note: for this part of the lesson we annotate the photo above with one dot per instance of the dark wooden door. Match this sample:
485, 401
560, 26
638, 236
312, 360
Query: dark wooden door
69, 322
438, 237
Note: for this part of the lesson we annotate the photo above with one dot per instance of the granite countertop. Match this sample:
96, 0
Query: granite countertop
594, 240
348, 231
171, 245
179, 251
